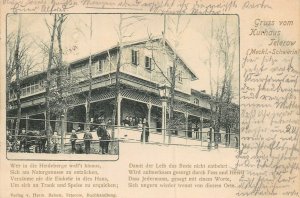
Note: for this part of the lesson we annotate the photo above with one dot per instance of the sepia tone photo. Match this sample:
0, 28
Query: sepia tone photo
83, 83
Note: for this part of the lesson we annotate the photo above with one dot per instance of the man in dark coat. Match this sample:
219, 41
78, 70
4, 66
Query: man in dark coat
145, 130
73, 139
104, 138
54, 140
87, 141
43, 141
23, 140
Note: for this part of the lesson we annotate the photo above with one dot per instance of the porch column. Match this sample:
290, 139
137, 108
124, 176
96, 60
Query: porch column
201, 127
164, 120
149, 105
64, 118
186, 115
26, 122
86, 124
65, 124
45, 123
119, 111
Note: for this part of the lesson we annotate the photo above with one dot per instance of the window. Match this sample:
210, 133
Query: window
36, 87
196, 101
100, 65
170, 71
23, 91
32, 89
41, 83
148, 63
135, 57
180, 76
27, 90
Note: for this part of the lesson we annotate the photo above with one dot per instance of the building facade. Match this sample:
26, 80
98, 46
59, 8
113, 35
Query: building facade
145, 66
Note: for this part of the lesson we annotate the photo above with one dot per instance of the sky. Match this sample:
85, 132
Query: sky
193, 42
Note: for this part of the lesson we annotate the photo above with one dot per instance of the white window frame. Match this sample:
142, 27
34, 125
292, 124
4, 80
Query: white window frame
135, 57
148, 64
100, 65
180, 76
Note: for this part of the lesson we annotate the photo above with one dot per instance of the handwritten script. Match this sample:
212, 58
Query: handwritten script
270, 113
269, 85
154, 6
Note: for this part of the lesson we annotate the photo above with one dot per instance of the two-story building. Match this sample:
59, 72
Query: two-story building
145, 66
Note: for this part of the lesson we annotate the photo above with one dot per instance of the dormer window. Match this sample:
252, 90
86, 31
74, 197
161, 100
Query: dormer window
148, 63
196, 101
134, 57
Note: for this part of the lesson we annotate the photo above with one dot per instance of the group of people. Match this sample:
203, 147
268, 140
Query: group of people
130, 121
140, 123
103, 135
24, 140
37, 140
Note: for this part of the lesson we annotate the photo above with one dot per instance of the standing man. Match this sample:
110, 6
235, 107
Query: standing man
87, 141
146, 129
23, 140
54, 141
43, 138
104, 138
73, 139
37, 141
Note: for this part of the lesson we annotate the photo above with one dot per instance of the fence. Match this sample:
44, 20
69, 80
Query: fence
35, 139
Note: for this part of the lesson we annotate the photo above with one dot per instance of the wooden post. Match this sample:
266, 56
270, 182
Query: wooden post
201, 128
26, 122
164, 119
144, 134
186, 115
149, 105
119, 111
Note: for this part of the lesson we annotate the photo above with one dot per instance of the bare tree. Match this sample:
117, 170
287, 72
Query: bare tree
125, 22
61, 19
10, 66
90, 77
175, 32
20, 62
50, 61
87, 73
16, 62
223, 46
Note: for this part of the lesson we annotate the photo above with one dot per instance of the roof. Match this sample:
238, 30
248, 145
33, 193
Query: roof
201, 94
34, 75
126, 44
114, 47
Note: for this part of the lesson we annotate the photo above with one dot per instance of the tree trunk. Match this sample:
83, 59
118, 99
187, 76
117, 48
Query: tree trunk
117, 85
18, 70
172, 95
60, 55
89, 96
48, 126
59, 84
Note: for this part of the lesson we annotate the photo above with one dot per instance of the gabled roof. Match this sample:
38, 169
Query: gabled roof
135, 42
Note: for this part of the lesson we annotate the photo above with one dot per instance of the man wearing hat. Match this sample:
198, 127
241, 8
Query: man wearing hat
104, 138
87, 141
23, 140
73, 139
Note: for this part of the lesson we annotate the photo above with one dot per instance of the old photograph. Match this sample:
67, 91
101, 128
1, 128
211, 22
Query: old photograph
85, 86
